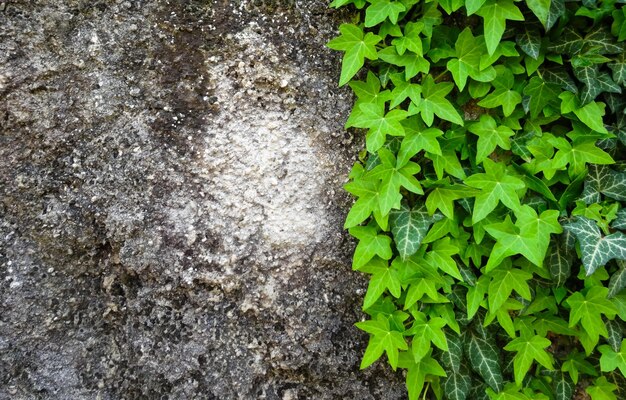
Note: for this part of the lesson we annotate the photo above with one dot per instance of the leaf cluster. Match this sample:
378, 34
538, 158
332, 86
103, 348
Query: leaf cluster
489, 207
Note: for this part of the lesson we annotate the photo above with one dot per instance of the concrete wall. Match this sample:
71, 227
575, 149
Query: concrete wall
171, 204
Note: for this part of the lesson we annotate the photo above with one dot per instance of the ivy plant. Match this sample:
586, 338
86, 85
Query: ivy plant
490, 196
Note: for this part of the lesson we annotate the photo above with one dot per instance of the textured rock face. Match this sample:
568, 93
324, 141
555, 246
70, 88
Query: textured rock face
171, 204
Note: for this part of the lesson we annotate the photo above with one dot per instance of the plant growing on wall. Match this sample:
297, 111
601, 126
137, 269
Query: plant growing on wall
489, 199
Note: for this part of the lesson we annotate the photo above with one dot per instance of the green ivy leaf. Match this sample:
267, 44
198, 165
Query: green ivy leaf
471, 6
382, 339
435, 103
413, 63
611, 359
357, 46
409, 226
484, 358
440, 256
529, 350
442, 198
541, 94
563, 387
370, 244
425, 332
618, 67
503, 95
503, 282
457, 385
530, 41
418, 138
618, 280
467, 61
417, 373
575, 363
588, 309
380, 10
596, 249
383, 278
560, 265
602, 390
495, 13
496, 185
380, 124
410, 40
541, 9
490, 135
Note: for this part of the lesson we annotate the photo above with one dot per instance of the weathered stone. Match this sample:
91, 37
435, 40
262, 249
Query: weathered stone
171, 204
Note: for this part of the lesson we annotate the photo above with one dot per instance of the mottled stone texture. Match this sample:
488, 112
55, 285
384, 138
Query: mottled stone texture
171, 204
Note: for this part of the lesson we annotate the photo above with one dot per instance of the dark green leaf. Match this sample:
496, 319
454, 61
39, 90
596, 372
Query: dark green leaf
530, 41
409, 226
485, 360
596, 250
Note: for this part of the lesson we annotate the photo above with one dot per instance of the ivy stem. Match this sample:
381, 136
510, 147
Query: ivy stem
426, 390
440, 75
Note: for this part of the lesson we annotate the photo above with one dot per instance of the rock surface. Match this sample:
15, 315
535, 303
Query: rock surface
171, 204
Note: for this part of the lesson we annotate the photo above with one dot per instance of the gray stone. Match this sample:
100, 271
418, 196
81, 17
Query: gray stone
171, 204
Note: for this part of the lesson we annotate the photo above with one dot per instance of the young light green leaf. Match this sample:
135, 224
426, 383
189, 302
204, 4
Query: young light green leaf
413, 63
496, 186
418, 371
435, 103
471, 6
418, 138
490, 135
589, 309
529, 350
357, 46
426, 332
495, 13
393, 176
380, 10
440, 256
602, 390
502, 284
467, 61
611, 359
442, 198
383, 278
383, 339
370, 245
380, 124
411, 39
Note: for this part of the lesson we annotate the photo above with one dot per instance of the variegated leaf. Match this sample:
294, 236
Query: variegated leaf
620, 221
530, 41
457, 385
618, 280
615, 334
596, 249
559, 264
485, 360
564, 387
409, 227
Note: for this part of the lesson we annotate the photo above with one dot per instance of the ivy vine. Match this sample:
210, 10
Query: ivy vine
490, 197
